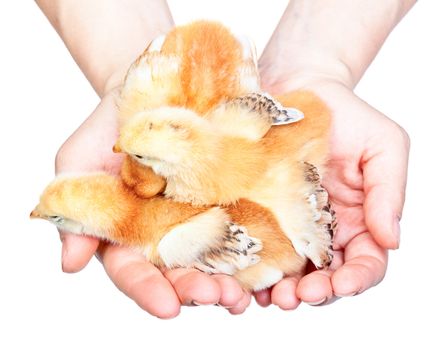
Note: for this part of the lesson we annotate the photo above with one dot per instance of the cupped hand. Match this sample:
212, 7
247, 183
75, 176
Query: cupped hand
366, 180
89, 149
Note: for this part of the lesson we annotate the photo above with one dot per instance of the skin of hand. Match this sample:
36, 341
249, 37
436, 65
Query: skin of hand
89, 149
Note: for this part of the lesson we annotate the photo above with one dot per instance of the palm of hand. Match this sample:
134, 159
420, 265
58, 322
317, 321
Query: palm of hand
89, 148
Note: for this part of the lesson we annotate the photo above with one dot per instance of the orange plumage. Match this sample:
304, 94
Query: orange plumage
210, 61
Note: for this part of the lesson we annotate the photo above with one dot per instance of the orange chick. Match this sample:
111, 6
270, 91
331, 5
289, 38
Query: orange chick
195, 66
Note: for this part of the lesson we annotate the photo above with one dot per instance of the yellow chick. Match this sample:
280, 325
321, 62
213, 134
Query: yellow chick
172, 234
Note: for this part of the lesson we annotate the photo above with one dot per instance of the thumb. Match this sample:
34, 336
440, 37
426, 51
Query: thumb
77, 251
385, 177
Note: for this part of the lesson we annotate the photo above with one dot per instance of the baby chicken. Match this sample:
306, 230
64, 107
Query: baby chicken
234, 153
172, 234
196, 66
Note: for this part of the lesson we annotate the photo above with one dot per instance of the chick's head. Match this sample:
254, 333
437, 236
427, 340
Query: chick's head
164, 139
80, 204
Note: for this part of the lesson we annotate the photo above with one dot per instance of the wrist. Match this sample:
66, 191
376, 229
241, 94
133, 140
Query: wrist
314, 69
333, 40
106, 38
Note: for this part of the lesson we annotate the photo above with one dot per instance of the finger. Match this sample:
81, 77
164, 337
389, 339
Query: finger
263, 297
315, 288
140, 281
242, 304
365, 266
231, 291
283, 294
385, 175
194, 287
76, 251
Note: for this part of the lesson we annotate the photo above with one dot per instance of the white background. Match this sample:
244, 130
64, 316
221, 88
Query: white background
44, 97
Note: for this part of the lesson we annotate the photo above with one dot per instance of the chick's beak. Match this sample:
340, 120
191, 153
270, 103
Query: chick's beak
116, 148
35, 215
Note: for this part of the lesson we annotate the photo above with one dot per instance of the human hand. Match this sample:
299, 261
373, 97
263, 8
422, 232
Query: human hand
89, 149
366, 180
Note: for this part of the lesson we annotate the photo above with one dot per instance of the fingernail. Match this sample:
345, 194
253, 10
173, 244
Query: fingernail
225, 307
315, 303
195, 303
397, 231
347, 294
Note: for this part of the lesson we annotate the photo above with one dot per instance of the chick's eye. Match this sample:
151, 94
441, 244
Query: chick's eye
138, 156
56, 218
175, 127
